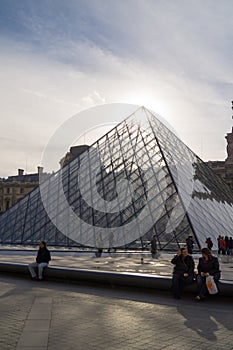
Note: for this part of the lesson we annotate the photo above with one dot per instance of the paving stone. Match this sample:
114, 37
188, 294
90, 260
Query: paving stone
31, 348
33, 339
37, 325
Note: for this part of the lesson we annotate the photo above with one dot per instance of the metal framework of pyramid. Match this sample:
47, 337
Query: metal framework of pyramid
138, 180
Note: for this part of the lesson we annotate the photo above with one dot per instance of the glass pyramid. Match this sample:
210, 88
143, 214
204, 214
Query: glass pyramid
137, 180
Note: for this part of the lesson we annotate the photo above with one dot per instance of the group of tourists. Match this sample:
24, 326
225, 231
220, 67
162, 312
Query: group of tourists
225, 245
206, 278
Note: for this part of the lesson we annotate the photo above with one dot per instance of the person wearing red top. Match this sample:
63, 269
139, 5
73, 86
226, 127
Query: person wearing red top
222, 246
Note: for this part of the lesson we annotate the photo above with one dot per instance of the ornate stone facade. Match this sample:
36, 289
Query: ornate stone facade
225, 168
16, 187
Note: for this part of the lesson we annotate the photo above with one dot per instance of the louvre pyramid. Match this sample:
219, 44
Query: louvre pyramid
137, 180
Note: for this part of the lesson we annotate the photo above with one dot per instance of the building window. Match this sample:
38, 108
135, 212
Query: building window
8, 190
21, 190
7, 205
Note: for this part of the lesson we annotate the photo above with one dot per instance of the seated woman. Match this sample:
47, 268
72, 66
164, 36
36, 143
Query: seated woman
183, 272
208, 265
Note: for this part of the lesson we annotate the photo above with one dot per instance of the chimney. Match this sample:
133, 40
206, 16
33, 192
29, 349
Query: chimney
20, 172
40, 169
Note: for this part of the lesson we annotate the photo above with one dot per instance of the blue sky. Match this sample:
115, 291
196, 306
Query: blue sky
60, 57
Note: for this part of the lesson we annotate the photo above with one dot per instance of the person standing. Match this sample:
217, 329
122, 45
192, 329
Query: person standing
208, 265
42, 260
222, 245
190, 244
227, 251
153, 243
218, 240
183, 272
209, 243
231, 245
99, 244
111, 242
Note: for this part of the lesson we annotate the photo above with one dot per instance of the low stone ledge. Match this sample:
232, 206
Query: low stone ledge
109, 278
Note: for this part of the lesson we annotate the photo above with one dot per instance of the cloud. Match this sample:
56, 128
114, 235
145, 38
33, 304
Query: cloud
58, 58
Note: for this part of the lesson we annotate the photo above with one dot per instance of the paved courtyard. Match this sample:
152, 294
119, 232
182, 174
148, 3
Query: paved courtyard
52, 316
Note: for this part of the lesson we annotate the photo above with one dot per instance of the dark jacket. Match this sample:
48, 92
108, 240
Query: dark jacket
209, 243
43, 255
153, 245
211, 266
230, 243
182, 266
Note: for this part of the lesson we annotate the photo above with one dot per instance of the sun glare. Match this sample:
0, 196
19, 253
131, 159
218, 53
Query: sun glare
152, 102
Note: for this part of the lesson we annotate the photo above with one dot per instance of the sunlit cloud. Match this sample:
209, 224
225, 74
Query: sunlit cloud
58, 58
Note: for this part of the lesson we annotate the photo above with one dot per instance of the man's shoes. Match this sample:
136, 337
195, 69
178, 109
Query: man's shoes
35, 278
175, 296
40, 279
199, 297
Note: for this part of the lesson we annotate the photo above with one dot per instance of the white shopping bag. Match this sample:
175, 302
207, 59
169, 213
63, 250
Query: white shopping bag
211, 285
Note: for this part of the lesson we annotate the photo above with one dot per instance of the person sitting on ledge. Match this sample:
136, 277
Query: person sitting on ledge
208, 265
42, 260
183, 272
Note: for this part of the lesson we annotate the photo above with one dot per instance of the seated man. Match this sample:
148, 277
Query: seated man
42, 261
183, 272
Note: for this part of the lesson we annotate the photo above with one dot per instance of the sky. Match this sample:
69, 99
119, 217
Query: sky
61, 57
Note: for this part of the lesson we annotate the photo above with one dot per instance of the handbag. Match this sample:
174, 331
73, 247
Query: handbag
211, 285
